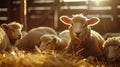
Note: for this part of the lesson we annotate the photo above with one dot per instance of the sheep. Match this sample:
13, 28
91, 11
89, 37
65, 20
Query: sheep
55, 42
9, 34
49, 42
82, 37
107, 35
32, 38
112, 49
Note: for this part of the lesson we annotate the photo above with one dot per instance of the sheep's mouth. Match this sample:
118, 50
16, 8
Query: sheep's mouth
78, 36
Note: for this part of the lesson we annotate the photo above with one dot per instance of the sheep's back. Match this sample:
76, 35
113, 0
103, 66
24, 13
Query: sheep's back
32, 38
65, 39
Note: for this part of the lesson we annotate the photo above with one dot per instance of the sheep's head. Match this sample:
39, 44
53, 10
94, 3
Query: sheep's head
79, 24
48, 42
112, 49
13, 30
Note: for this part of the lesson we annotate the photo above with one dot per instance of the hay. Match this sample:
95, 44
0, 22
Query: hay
17, 58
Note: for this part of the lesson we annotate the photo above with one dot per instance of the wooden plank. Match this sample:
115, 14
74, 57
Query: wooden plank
68, 12
37, 11
73, 3
39, 4
99, 3
40, 17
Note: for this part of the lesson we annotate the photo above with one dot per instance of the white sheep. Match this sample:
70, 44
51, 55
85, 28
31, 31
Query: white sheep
9, 34
112, 49
32, 38
82, 37
54, 42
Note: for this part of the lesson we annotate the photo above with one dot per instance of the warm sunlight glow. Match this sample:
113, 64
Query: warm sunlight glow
98, 2
73, 0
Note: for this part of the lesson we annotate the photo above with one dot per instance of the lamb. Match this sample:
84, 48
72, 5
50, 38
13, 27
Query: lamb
82, 37
9, 34
112, 49
54, 42
32, 38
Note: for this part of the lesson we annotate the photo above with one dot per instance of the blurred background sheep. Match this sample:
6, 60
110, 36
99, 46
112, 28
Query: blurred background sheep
112, 49
9, 34
32, 38
55, 42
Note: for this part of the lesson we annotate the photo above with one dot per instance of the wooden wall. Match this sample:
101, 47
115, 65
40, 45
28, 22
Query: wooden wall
47, 13
9, 11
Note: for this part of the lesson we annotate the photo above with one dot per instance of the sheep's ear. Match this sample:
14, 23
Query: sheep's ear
5, 26
21, 26
65, 19
93, 21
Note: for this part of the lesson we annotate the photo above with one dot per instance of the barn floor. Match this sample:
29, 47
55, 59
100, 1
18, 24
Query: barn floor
17, 58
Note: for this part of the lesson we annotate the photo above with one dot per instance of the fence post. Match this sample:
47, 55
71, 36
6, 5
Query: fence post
23, 13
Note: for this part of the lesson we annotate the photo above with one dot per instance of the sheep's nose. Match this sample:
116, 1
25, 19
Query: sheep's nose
110, 58
77, 33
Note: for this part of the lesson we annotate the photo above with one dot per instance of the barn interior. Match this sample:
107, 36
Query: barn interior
34, 13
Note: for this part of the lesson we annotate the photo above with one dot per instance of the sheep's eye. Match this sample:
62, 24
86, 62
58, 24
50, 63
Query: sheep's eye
72, 24
48, 43
12, 30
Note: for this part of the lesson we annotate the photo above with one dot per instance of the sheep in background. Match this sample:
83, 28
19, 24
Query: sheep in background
9, 34
32, 38
112, 49
54, 42
82, 37
49, 42
107, 35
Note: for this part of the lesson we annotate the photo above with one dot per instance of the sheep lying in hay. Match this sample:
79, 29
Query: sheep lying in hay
112, 49
82, 37
9, 34
32, 38
54, 42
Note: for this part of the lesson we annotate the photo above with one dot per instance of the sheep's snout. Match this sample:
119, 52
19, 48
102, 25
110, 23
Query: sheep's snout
78, 33
111, 58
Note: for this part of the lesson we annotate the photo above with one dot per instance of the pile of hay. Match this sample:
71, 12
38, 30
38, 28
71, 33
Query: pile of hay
17, 58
